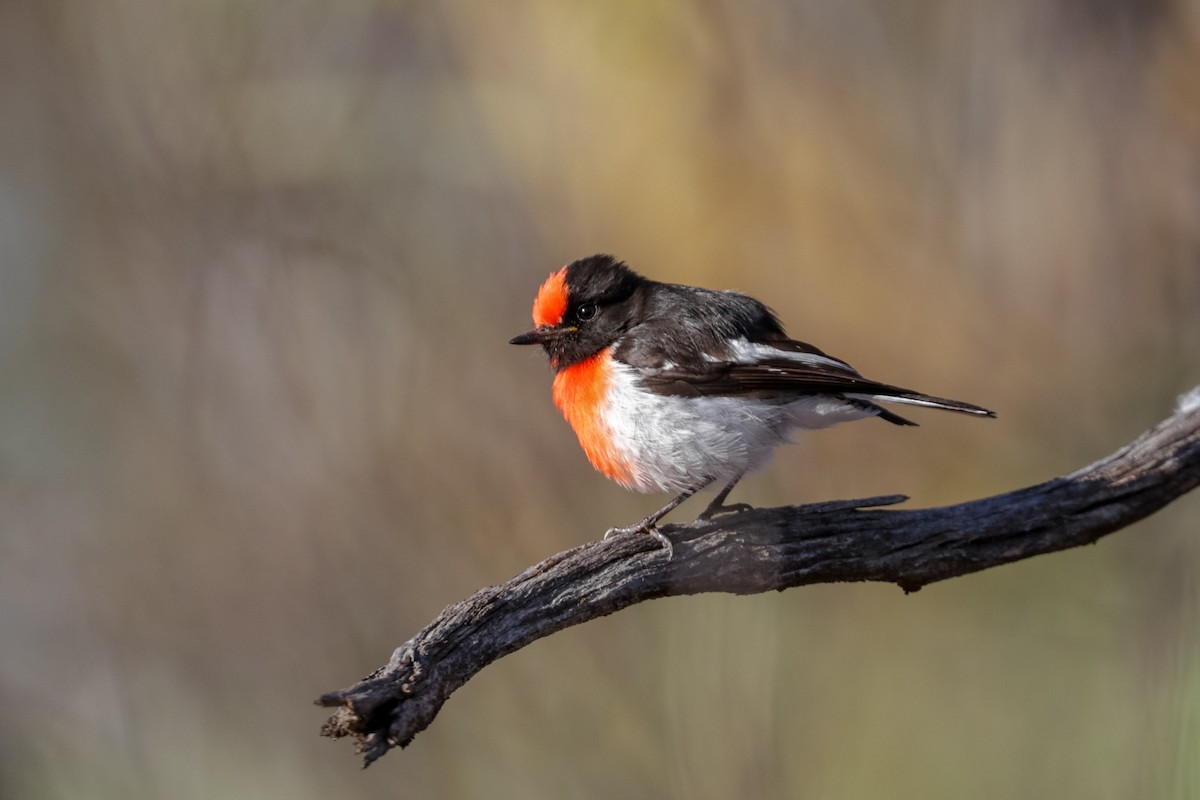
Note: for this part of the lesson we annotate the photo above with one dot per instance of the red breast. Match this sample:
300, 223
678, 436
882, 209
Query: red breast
581, 394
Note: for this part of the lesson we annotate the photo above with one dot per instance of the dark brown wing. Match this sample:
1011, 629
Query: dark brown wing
784, 378
765, 379
699, 343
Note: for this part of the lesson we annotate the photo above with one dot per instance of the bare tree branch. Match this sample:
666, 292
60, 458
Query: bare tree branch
756, 551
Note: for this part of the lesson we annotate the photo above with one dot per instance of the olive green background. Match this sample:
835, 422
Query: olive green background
259, 420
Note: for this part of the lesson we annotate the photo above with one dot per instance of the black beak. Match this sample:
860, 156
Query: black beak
538, 336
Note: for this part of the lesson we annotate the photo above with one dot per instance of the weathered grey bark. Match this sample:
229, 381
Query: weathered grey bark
754, 551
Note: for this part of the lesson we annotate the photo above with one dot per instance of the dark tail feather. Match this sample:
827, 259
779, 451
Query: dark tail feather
879, 411
917, 399
895, 419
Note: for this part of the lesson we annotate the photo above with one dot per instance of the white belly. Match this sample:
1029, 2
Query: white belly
676, 443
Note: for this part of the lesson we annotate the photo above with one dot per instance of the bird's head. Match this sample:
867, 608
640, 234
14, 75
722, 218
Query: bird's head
583, 308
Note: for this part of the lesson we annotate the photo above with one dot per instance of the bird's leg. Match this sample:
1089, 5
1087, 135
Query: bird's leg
649, 524
717, 506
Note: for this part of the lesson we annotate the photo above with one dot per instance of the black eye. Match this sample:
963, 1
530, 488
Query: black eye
585, 312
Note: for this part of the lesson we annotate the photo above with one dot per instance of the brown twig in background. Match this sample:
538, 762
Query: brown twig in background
760, 550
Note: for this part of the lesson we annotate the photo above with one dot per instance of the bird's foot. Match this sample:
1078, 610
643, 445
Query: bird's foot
645, 526
732, 508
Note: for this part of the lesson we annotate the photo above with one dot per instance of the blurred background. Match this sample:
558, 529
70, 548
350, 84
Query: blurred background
259, 420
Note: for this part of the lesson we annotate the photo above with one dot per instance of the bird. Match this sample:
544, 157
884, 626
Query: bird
674, 389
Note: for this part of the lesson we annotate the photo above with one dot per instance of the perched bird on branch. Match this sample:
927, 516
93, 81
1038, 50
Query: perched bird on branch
675, 388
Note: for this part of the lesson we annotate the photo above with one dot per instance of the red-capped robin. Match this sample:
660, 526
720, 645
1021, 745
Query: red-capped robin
675, 388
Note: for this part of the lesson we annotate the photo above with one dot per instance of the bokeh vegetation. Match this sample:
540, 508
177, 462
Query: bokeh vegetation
259, 262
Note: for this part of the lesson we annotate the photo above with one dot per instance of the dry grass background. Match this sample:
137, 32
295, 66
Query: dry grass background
259, 262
